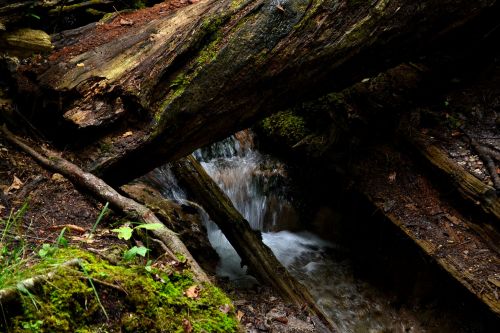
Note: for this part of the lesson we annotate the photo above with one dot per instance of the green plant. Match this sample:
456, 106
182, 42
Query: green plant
125, 232
86, 273
12, 246
104, 210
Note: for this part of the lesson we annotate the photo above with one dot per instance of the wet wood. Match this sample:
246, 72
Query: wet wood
247, 242
106, 193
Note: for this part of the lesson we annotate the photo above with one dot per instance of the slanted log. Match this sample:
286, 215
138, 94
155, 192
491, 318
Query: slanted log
163, 82
247, 242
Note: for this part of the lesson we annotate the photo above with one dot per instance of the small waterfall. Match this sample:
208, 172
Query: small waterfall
256, 185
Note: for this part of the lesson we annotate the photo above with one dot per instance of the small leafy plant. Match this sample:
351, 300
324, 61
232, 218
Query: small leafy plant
126, 231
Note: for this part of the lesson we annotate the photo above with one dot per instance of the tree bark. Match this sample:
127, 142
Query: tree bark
154, 85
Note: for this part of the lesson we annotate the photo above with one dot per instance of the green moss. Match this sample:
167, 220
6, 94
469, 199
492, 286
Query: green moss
138, 302
286, 126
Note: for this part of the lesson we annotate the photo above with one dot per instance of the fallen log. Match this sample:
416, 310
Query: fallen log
247, 242
153, 85
106, 193
417, 208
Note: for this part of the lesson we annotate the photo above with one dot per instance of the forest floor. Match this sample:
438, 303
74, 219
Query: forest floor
54, 204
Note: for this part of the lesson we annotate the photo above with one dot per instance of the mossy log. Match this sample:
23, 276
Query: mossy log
10, 294
247, 242
106, 193
154, 85
25, 42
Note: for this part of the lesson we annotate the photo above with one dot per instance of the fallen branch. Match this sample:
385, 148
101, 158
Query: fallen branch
106, 193
9, 294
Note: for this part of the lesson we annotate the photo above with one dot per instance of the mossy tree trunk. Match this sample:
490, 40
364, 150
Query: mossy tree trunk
154, 85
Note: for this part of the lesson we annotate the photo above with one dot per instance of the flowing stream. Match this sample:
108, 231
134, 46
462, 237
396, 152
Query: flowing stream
255, 184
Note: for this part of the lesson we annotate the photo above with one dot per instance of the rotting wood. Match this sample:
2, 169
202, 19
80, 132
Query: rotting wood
106, 193
247, 242
463, 253
176, 70
468, 185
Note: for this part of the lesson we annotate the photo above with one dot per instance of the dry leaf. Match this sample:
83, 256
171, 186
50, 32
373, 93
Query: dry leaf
186, 325
57, 177
193, 292
239, 315
126, 134
283, 320
2, 207
16, 185
392, 177
126, 22
225, 308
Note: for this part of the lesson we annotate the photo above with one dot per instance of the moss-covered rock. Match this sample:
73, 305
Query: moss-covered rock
99, 296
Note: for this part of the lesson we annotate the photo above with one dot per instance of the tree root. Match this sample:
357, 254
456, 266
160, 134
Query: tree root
106, 193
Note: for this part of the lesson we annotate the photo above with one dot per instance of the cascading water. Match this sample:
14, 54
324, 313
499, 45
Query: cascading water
254, 184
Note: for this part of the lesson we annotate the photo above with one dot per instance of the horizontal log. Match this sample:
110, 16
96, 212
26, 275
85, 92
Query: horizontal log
167, 76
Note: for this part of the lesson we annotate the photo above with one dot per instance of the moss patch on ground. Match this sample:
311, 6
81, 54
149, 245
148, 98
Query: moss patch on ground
97, 296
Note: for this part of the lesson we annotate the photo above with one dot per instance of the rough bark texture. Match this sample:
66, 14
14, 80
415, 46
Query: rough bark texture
247, 242
160, 84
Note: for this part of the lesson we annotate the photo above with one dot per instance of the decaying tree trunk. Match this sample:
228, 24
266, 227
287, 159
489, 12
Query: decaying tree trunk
106, 193
153, 85
247, 242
